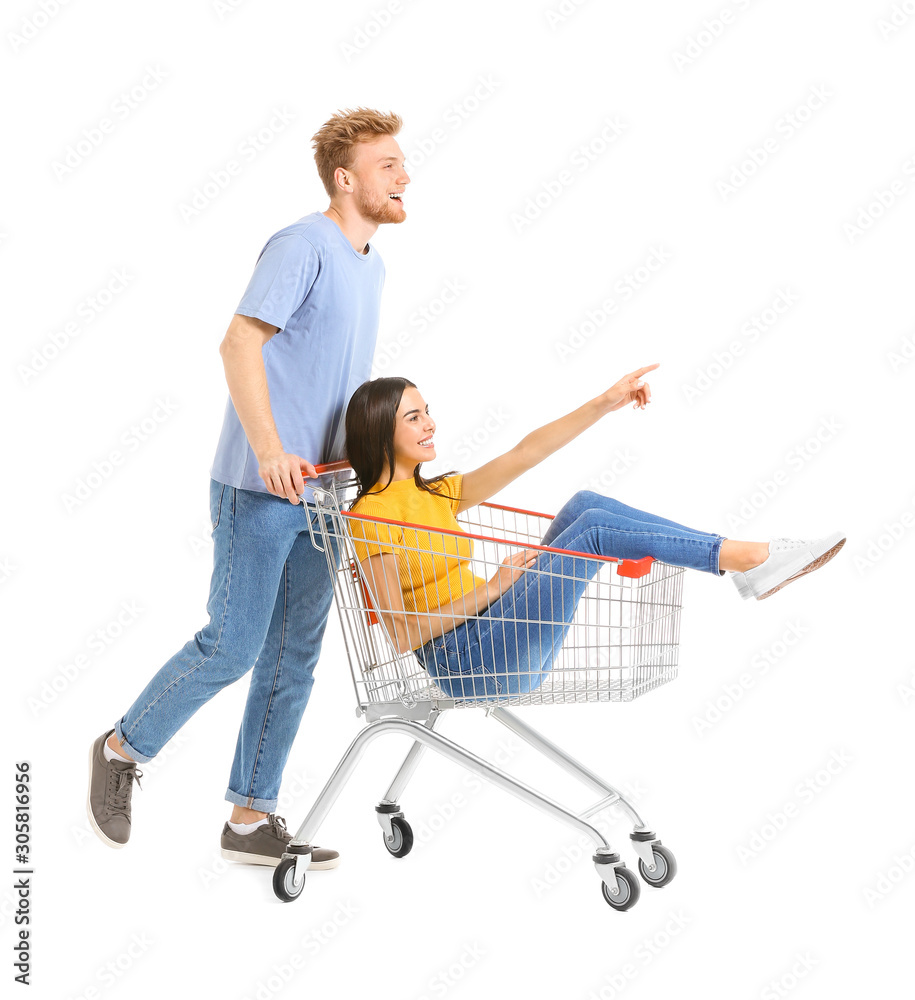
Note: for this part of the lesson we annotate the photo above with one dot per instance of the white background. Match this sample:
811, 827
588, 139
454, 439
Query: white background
816, 405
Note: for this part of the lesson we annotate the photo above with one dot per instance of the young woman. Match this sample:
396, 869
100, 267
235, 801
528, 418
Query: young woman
455, 622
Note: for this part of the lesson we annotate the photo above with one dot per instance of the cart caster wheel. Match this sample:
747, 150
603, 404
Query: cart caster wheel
284, 884
402, 842
627, 886
665, 867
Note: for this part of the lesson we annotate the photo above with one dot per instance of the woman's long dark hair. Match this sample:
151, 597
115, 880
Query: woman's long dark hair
370, 419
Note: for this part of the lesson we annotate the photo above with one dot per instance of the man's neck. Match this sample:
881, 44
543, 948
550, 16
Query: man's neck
356, 229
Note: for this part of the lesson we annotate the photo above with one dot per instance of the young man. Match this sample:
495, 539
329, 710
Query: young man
301, 341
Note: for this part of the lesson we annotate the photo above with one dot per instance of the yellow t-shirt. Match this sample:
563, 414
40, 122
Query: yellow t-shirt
432, 566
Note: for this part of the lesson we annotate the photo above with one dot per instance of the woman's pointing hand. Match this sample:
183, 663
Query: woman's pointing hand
630, 388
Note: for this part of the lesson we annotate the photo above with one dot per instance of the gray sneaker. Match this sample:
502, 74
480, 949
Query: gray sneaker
110, 788
789, 559
266, 844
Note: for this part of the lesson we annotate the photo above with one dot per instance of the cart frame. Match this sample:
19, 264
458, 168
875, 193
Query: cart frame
416, 718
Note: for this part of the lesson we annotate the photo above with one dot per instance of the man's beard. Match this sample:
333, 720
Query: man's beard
379, 209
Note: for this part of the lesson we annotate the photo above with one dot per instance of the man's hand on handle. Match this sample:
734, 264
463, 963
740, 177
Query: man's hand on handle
284, 474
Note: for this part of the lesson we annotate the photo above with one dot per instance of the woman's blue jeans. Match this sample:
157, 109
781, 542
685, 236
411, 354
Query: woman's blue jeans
486, 657
270, 595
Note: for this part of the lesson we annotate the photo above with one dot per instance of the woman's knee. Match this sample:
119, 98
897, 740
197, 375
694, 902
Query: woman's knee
587, 498
578, 503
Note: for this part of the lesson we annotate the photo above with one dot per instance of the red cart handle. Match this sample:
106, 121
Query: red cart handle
331, 467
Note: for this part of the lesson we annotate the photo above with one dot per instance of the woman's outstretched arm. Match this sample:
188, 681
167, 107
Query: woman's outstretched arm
486, 481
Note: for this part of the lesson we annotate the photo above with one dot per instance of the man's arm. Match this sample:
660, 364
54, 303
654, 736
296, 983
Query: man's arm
243, 359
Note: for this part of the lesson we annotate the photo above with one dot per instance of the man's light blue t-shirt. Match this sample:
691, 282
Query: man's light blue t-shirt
324, 296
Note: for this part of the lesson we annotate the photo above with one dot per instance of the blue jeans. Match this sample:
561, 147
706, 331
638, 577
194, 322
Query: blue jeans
270, 595
486, 657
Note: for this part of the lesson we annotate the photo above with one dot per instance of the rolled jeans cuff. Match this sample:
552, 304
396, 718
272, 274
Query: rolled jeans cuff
140, 758
260, 805
715, 556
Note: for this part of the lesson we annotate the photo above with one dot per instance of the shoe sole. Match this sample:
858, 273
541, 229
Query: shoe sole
264, 859
809, 568
92, 823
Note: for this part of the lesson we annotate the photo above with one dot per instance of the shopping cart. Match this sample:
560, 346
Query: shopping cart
622, 643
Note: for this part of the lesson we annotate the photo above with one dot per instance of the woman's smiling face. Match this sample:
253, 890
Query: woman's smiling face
413, 431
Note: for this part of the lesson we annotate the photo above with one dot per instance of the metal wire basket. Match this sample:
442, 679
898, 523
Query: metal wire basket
622, 642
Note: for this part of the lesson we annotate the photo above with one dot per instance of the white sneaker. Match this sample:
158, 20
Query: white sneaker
789, 558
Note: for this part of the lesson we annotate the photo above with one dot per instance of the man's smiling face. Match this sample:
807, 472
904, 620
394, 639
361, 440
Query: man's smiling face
379, 180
